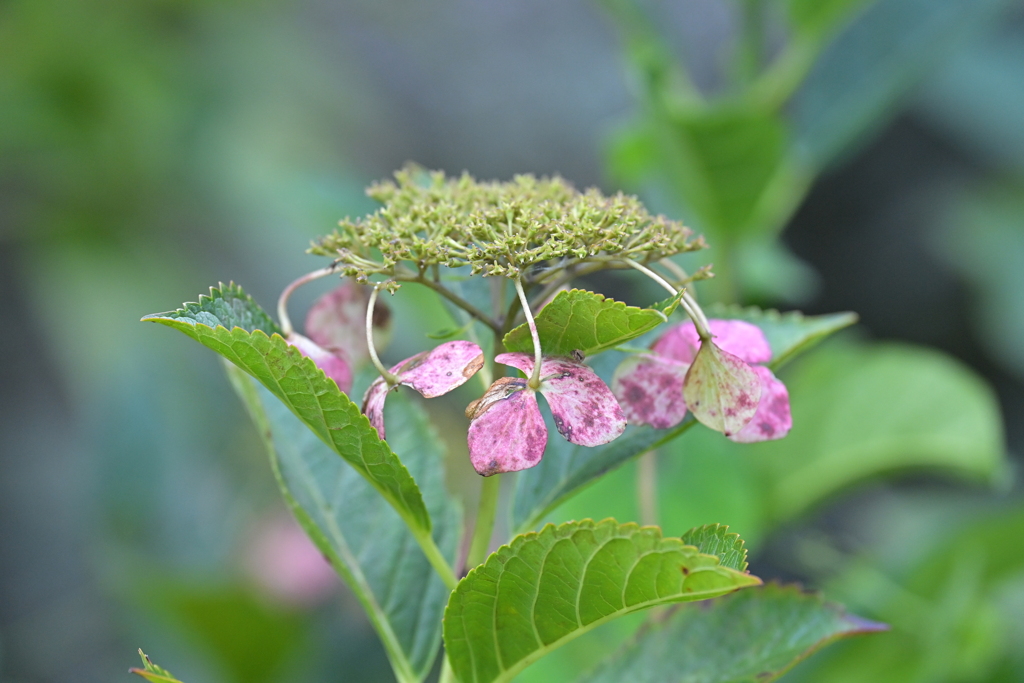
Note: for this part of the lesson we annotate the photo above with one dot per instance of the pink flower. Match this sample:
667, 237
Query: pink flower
334, 364
337, 333
337, 322
719, 383
507, 432
432, 373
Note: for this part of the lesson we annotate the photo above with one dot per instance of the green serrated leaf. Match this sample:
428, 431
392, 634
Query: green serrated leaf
226, 305
859, 412
302, 386
578, 320
789, 334
544, 589
715, 539
751, 637
363, 537
152, 672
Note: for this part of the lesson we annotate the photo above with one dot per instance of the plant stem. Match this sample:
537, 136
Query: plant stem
689, 304
388, 376
451, 296
436, 558
447, 674
647, 488
486, 513
534, 381
282, 301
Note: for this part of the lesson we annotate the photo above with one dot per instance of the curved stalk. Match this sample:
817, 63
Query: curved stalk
388, 376
282, 301
534, 382
436, 558
490, 490
451, 296
691, 307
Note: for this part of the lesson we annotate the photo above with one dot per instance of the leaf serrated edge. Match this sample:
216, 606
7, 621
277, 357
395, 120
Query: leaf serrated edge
663, 309
217, 292
507, 552
861, 625
728, 537
418, 520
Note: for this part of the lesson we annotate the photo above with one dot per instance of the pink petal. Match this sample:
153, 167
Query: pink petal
737, 337
373, 404
506, 432
334, 365
519, 361
650, 390
337, 320
583, 407
772, 419
721, 390
443, 368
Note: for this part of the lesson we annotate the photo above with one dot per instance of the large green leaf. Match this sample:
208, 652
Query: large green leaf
232, 324
873, 410
731, 168
949, 597
790, 333
547, 588
752, 637
578, 320
364, 538
858, 412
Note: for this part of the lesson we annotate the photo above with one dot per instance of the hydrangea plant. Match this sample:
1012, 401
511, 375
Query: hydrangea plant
363, 474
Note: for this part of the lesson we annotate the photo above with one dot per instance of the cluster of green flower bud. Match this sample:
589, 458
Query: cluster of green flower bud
497, 228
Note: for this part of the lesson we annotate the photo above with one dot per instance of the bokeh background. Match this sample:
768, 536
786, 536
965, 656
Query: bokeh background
149, 149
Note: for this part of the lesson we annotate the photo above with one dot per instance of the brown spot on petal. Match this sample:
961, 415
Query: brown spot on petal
501, 388
474, 366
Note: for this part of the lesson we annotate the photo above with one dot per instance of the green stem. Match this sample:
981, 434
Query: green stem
436, 558
750, 52
404, 276
486, 513
388, 376
447, 673
647, 488
689, 304
534, 381
282, 301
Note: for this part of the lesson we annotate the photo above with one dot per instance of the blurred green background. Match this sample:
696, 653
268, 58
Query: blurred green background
862, 155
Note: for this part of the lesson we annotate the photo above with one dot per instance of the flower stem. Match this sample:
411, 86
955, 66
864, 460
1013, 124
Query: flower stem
388, 377
404, 276
486, 513
689, 304
282, 301
534, 382
436, 558
647, 488
447, 674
